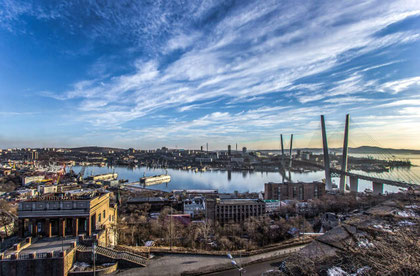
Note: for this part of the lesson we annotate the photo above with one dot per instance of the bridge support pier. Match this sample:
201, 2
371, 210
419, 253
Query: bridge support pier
354, 184
378, 188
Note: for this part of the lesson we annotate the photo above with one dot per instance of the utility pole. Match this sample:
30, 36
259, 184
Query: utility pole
94, 257
170, 230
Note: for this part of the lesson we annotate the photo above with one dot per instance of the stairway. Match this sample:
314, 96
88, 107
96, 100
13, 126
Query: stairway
115, 254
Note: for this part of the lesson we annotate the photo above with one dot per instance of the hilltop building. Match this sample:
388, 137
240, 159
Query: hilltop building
61, 215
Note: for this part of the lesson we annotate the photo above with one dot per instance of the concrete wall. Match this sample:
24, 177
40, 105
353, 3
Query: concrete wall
45, 266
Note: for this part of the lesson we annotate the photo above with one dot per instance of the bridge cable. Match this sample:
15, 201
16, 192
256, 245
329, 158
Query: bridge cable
387, 155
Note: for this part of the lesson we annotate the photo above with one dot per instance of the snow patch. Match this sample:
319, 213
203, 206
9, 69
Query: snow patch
80, 266
406, 214
365, 244
406, 223
383, 227
338, 271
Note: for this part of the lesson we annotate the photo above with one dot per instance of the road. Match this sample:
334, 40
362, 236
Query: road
251, 270
177, 264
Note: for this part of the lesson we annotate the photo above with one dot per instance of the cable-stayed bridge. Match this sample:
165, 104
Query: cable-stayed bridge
399, 178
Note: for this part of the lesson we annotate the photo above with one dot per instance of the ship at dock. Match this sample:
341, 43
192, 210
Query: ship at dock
154, 180
102, 177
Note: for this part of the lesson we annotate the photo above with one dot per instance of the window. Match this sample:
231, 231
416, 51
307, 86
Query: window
104, 215
99, 217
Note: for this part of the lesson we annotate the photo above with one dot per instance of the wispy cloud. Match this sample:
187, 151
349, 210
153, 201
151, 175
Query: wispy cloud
248, 57
400, 85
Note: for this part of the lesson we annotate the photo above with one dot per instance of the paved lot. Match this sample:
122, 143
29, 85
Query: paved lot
177, 264
48, 245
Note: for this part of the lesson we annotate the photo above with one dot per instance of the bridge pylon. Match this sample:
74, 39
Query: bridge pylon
282, 150
328, 184
345, 158
290, 152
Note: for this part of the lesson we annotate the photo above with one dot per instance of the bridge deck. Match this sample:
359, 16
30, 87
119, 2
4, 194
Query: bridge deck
375, 179
365, 177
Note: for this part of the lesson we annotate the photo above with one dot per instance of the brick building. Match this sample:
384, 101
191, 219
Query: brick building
296, 191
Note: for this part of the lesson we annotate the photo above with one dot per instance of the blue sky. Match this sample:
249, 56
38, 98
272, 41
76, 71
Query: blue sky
147, 74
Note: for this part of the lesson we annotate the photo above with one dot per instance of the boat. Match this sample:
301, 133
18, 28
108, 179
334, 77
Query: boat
105, 176
154, 180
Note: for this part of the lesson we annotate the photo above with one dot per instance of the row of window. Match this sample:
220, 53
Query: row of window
103, 215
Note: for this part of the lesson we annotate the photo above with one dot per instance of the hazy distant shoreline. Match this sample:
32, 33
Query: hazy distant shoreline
362, 150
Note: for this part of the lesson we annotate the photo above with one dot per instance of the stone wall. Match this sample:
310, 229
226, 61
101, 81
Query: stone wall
69, 260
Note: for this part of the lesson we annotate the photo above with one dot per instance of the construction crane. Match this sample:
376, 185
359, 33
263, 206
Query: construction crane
61, 172
12, 165
81, 174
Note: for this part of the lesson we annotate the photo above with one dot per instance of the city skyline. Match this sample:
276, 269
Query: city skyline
167, 74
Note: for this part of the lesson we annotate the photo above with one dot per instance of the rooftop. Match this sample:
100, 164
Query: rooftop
147, 199
196, 191
240, 201
83, 195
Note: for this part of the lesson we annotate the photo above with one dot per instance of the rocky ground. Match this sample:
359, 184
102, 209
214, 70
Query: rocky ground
384, 240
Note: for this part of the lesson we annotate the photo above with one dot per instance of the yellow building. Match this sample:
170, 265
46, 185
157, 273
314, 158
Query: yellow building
86, 213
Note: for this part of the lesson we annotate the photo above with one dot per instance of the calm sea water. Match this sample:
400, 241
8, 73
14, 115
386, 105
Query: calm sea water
225, 181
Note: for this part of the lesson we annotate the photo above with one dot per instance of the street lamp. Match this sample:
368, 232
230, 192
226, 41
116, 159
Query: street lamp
94, 257
237, 266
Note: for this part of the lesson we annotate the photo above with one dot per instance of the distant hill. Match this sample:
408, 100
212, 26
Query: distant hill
96, 149
362, 150
368, 149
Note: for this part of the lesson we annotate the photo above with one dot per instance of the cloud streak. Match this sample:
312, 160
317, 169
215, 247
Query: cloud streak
199, 60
